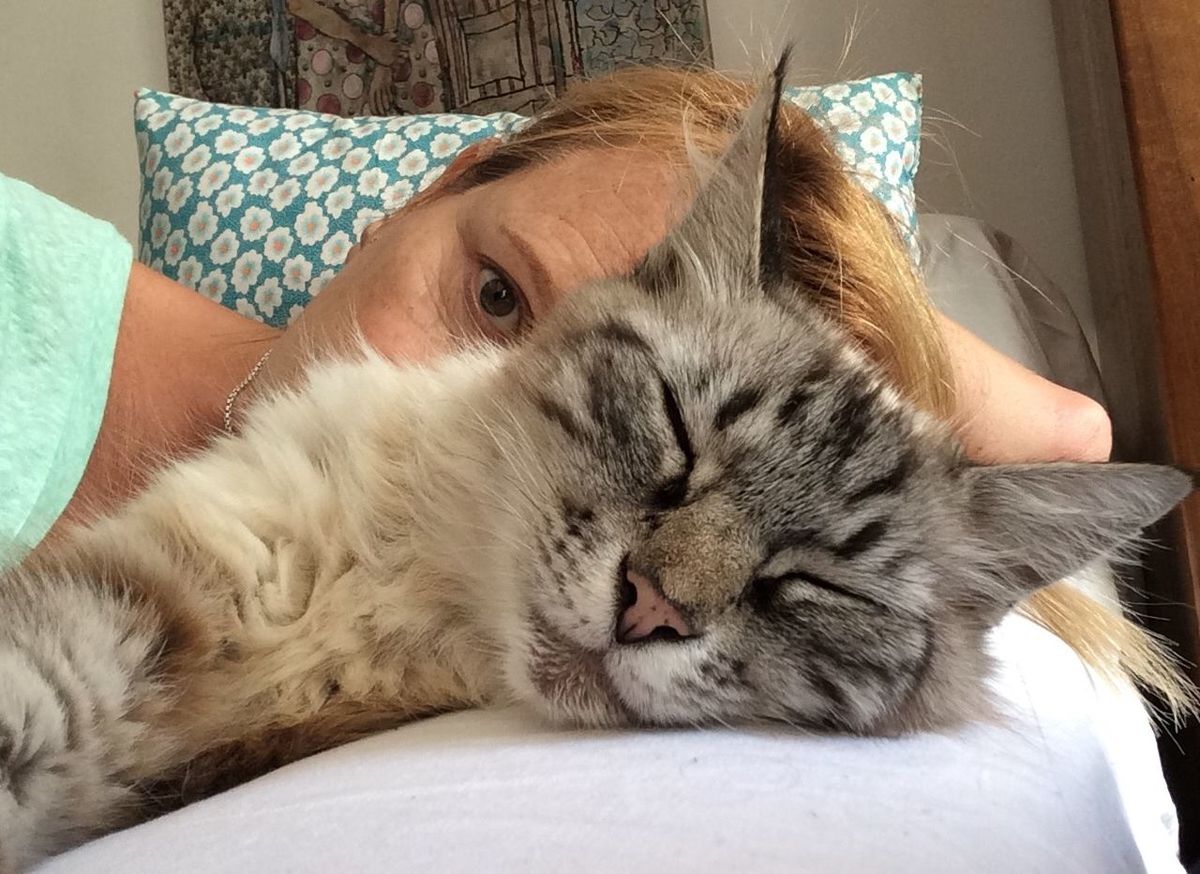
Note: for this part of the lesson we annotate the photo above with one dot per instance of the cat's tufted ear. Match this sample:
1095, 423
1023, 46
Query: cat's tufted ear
731, 234
1041, 522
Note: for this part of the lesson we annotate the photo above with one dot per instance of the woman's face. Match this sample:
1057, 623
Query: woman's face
488, 261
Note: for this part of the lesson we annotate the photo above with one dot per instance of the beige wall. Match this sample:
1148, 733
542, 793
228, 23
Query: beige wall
990, 65
68, 70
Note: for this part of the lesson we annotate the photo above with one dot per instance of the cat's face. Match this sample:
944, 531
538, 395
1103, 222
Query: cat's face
710, 509
782, 512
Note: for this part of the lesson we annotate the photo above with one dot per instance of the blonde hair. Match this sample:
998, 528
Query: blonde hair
845, 251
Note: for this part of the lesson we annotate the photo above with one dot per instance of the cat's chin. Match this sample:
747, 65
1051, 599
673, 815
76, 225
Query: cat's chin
570, 684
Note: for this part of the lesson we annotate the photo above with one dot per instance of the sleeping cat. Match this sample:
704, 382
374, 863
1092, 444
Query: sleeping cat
684, 499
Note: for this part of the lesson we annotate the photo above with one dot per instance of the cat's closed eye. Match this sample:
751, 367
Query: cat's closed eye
767, 590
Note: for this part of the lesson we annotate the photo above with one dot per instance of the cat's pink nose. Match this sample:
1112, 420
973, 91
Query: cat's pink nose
646, 614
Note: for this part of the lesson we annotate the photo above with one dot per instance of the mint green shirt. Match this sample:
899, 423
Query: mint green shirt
62, 288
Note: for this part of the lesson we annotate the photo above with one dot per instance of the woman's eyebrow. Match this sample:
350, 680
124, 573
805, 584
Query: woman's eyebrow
541, 276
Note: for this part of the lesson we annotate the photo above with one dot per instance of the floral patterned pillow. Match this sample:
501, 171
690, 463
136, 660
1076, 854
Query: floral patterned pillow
257, 208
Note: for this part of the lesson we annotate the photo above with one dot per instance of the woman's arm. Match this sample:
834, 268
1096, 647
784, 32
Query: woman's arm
178, 355
1009, 414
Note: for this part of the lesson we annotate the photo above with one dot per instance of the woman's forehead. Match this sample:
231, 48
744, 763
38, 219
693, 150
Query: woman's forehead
585, 215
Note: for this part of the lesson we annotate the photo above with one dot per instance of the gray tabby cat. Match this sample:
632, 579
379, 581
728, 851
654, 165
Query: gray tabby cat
684, 499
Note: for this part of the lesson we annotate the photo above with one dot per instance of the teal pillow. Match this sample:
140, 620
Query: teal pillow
257, 208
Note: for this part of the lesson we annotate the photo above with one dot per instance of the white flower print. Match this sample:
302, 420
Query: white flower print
873, 141
214, 177
862, 103
279, 244
242, 115
319, 282
297, 121
471, 126
895, 128
365, 216
159, 228
417, 130
213, 286
208, 124
390, 147
179, 102
908, 90
910, 156
179, 140
339, 201
150, 161
262, 182
893, 168
313, 135
843, 119
145, 107
303, 165
197, 159
203, 223
268, 296
870, 167
247, 309
321, 181
144, 209
142, 138
156, 264
371, 182
294, 312
229, 141
284, 193
287, 146
162, 181
247, 270
176, 244
336, 147
907, 112
413, 163
159, 119
397, 194
839, 91
256, 222
144, 253
883, 92
311, 225
296, 273
356, 159
230, 199
446, 120
260, 126
189, 272
224, 247
178, 194
843, 151
807, 99
335, 249
249, 159
195, 110
432, 176
366, 129
445, 145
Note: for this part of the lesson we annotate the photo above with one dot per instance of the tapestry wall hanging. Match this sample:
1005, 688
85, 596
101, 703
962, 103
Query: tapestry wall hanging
387, 57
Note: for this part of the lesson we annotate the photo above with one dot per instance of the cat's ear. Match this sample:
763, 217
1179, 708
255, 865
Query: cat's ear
1041, 522
733, 230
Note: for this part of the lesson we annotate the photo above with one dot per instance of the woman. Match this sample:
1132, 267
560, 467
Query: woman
507, 231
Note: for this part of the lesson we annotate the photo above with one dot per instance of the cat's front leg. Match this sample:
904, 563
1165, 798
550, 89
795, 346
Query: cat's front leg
80, 696
54, 789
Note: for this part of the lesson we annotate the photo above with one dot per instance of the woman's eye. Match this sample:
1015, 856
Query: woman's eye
500, 301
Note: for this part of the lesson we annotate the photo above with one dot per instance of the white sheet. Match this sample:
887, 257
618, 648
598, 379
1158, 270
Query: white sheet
1071, 785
